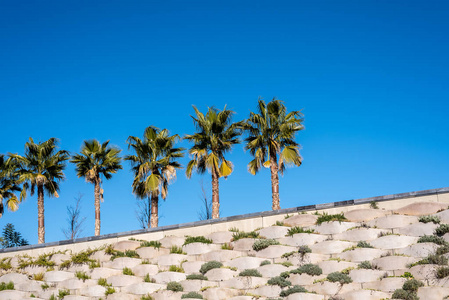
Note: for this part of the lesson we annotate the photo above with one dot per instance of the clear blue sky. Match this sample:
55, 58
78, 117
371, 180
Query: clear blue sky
371, 78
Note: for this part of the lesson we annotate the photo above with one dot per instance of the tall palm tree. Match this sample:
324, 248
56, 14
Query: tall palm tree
216, 134
8, 184
95, 161
154, 165
41, 167
271, 133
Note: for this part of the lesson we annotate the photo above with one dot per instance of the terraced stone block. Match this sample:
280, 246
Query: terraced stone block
243, 282
58, 276
365, 215
330, 266
81, 268
305, 296
220, 255
298, 259
303, 279
221, 274
302, 220
362, 254
274, 232
166, 277
324, 288
432, 292
393, 242
417, 229
126, 245
421, 208
387, 285
122, 296
242, 298
269, 291
424, 272
301, 239
391, 263
418, 250
29, 286
199, 248
101, 256
192, 266
365, 295
272, 270
59, 258
151, 252
172, 259
219, 293
142, 270
393, 221
123, 280
362, 275
75, 297
274, 251
334, 227
34, 270
359, 234
98, 273
93, 291
14, 277
12, 295
142, 288
246, 262
75, 283
196, 285
166, 295
169, 241
122, 262
243, 244
220, 237
331, 247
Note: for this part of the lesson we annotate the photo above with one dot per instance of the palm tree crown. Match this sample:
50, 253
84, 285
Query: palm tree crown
154, 166
41, 167
94, 161
216, 134
8, 184
271, 133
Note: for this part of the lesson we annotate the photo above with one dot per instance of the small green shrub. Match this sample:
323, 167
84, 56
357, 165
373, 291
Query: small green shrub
65, 264
440, 231
288, 254
6, 286
192, 295
63, 293
94, 264
406, 295
234, 229
176, 250
196, 277
265, 262
227, 246
339, 277
432, 239
286, 264
407, 275
367, 265
412, 285
83, 257
109, 291
197, 239
244, 235
363, 244
285, 274
38, 276
303, 250
292, 290
279, 281
174, 268
82, 276
103, 282
154, 244
442, 272
310, 269
442, 250
432, 259
146, 297
279, 223
262, 244
213, 264
250, 272
52, 297
329, 218
44, 286
174, 286
127, 271
428, 219
296, 229
5, 263
373, 205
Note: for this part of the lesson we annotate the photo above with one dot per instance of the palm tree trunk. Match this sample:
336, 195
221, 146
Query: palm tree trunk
97, 206
215, 196
40, 214
154, 209
274, 183
149, 213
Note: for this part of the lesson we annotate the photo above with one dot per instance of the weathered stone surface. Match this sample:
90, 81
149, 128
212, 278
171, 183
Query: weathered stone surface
304, 296
142, 270
363, 275
418, 250
242, 263
196, 285
192, 266
274, 232
274, 251
333, 227
12, 295
424, 272
298, 259
58, 258
126, 245
75, 297
122, 262
390, 263
101, 256
243, 244
172, 259
220, 274
220, 293
166, 277
16, 278
220, 237
393, 241
98, 273
324, 288
301, 239
75, 284
29, 286
303, 279
421, 208
330, 266
93, 291
151, 252
361, 254
220, 255
365, 215
393, 221
302, 220
142, 288
359, 234
272, 270
365, 295
271, 291
243, 283
199, 248
166, 295
432, 292
57, 276
417, 229
387, 285
34, 270
122, 296
331, 247
123, 280
169, 241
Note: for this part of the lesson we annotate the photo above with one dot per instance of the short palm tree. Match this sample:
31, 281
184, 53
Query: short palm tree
8, 184
41, 167
271, 133
95, 161
154, 165
216, 134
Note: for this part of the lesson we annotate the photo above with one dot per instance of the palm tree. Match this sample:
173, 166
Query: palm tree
42, 167
271, 133
95, 161
154, 165
8, 184
216, 134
